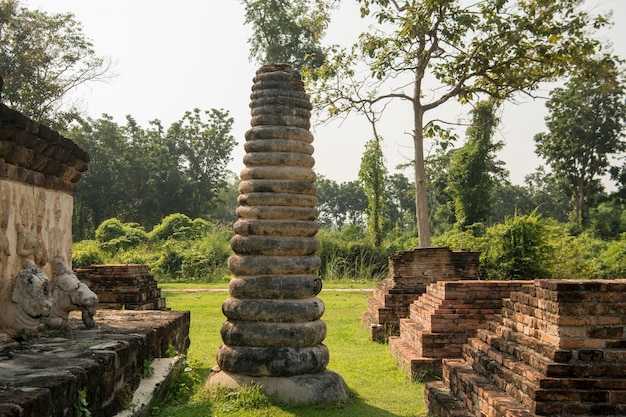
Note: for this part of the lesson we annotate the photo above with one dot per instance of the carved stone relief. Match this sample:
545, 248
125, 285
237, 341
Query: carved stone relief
69, 294
28, 303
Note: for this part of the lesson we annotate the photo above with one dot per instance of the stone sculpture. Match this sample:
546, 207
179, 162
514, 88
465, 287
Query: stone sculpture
273, 335
69, 294
29, 303
29, 245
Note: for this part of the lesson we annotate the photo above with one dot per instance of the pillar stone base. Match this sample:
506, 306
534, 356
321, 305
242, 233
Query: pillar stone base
323, 387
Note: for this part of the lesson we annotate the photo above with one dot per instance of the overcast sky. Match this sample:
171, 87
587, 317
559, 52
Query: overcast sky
171, 57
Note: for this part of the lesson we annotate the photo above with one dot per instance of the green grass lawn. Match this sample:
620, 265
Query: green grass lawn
377, 386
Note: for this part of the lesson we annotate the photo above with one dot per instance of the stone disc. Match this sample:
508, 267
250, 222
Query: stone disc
277, 199
275, 286
277, 186
274, 245
293, 310
260, 264
277, 213
278, 145
272, 361
278, 132
296, 228
278, 158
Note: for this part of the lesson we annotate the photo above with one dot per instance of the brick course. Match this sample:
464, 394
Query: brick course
123, 286
556, 349
410, 272
443, 318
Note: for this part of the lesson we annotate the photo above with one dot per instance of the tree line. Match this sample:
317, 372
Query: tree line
143, 174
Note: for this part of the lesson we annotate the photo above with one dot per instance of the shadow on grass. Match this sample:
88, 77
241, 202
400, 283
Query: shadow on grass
250, 402
354, 406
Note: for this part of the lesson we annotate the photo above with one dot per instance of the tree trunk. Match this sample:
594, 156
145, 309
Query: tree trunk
421, 197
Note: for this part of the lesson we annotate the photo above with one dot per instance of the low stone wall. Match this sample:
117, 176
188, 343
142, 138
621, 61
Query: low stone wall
442, 320
558, 349
410, 272
123, 286
44, 377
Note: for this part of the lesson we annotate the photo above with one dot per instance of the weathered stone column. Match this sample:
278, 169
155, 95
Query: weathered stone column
273, 335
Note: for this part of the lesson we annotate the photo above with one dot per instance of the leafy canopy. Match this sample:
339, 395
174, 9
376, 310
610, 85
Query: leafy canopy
42, 58
425, 53
586, 123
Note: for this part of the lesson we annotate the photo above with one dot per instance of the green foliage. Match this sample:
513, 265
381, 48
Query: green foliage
42, 58
144, 174
176, 226
518, 249
372, 175
451, 50
192, 250
228, 400
86, 253
287, 31
81, 406
349, 254
113, 235
586, 123
147, 370
613, 259
473, 170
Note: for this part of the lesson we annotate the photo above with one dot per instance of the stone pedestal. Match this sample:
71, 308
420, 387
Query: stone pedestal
442, 320
273, 334
557, 349
410, 272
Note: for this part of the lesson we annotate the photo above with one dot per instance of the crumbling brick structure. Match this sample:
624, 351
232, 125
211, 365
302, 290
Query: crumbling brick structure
410, 272
558, 349
442, 320
123, 286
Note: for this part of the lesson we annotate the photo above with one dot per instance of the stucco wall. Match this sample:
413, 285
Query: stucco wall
43, 213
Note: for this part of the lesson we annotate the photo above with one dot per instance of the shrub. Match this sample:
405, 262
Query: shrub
109, 230
86, 253
175, 226
517, 249
349, 254
113, 235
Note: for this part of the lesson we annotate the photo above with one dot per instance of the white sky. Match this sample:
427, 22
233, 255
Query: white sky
171, 57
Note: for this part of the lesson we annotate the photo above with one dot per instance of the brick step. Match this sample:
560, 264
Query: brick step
481, 394
514, 348
411, 361
442, 403
545, 349
433, 345
518, 380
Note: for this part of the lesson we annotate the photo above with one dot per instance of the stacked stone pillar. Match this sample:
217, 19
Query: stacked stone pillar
273, 334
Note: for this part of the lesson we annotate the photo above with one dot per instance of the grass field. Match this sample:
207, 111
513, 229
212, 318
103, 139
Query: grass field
378, 388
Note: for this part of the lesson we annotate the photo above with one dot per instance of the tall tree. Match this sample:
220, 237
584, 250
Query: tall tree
372, 175
42, 57
287, 31
473, 170
104, 191
493, 47
586, 120
206, 151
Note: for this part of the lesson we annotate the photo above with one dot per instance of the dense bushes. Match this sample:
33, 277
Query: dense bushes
523, 247
177, 249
